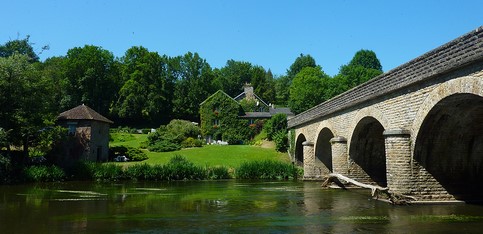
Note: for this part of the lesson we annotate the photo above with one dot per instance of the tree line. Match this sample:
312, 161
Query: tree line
144, 88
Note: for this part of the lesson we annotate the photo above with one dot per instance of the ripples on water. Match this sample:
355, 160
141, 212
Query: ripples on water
219, 206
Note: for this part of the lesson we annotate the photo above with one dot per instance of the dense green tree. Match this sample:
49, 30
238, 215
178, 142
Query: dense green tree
147, 90
282, 90
194, 83
54, 68
24, 100
300, 63
91, 78
363, 67
21, 46
277, 123
308, 89
366, 59
263, 84
283, 83
233, 76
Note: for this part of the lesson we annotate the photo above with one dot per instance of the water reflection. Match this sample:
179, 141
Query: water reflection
218, 206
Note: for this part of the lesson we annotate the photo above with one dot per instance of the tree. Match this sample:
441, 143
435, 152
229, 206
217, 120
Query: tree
194, 83
24, 99
233, 76
363, 67
282, 90
91, 78
147, 90
263, 84
308, 89
277, 123
300, 63
20, 46
54, 69
283, 83
366, 59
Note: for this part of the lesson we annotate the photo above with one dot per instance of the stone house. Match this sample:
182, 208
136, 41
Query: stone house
222, 111
88, 135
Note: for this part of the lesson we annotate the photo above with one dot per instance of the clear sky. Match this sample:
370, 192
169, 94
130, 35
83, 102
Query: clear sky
269, 33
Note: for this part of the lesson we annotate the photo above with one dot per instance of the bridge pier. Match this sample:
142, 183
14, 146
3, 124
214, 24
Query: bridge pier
398, 161
310, 171
340, 163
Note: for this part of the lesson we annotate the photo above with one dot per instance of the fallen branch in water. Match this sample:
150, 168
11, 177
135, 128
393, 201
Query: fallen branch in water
398, 199
374, 188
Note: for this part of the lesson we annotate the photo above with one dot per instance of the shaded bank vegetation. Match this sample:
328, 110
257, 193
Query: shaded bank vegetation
178, 168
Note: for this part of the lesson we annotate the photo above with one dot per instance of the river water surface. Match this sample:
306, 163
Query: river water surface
219, 207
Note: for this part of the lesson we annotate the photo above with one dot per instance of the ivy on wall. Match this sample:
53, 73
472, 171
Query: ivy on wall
219, 118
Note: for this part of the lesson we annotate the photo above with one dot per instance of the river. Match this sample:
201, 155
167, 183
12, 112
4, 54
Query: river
219, 207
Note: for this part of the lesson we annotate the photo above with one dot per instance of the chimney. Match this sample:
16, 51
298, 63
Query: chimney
249, 91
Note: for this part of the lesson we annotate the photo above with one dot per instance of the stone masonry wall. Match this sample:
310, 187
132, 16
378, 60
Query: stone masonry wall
401, 110
400, 101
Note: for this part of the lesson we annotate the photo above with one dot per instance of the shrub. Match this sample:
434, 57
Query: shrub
174, 136
108, 172
136, 154
5, 169
139, 172
218, 173
235, 136
281, 141
182, 129
277, 123
163, 146
179, 168
267, 169
132, 153
191, 142
144, 145
83, 170
43, 174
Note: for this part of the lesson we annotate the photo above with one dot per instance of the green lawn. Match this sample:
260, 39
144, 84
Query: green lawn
209, 155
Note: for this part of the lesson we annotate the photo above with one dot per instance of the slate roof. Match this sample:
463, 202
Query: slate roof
272, 111
83, 112
256, 115
283, 110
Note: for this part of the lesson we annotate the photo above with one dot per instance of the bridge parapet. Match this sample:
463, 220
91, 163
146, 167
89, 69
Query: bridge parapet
460, 52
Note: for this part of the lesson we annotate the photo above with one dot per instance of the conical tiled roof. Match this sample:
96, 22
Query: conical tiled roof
82, 112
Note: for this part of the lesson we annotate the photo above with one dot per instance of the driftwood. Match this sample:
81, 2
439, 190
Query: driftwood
374, 188
393, 198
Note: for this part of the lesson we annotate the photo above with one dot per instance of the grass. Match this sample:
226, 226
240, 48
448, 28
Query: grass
231, 156
127, 139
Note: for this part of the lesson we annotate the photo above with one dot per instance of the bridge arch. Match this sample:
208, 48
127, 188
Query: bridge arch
299, 149
372, 112
467, 84
367, 152
449, 140
323, 151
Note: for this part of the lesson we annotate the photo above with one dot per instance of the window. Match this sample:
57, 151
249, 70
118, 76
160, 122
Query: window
216, 123
72, 126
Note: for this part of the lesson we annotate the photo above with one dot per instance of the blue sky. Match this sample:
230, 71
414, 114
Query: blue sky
268, 33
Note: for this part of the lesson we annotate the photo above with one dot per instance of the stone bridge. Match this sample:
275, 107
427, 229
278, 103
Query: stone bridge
417, 129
